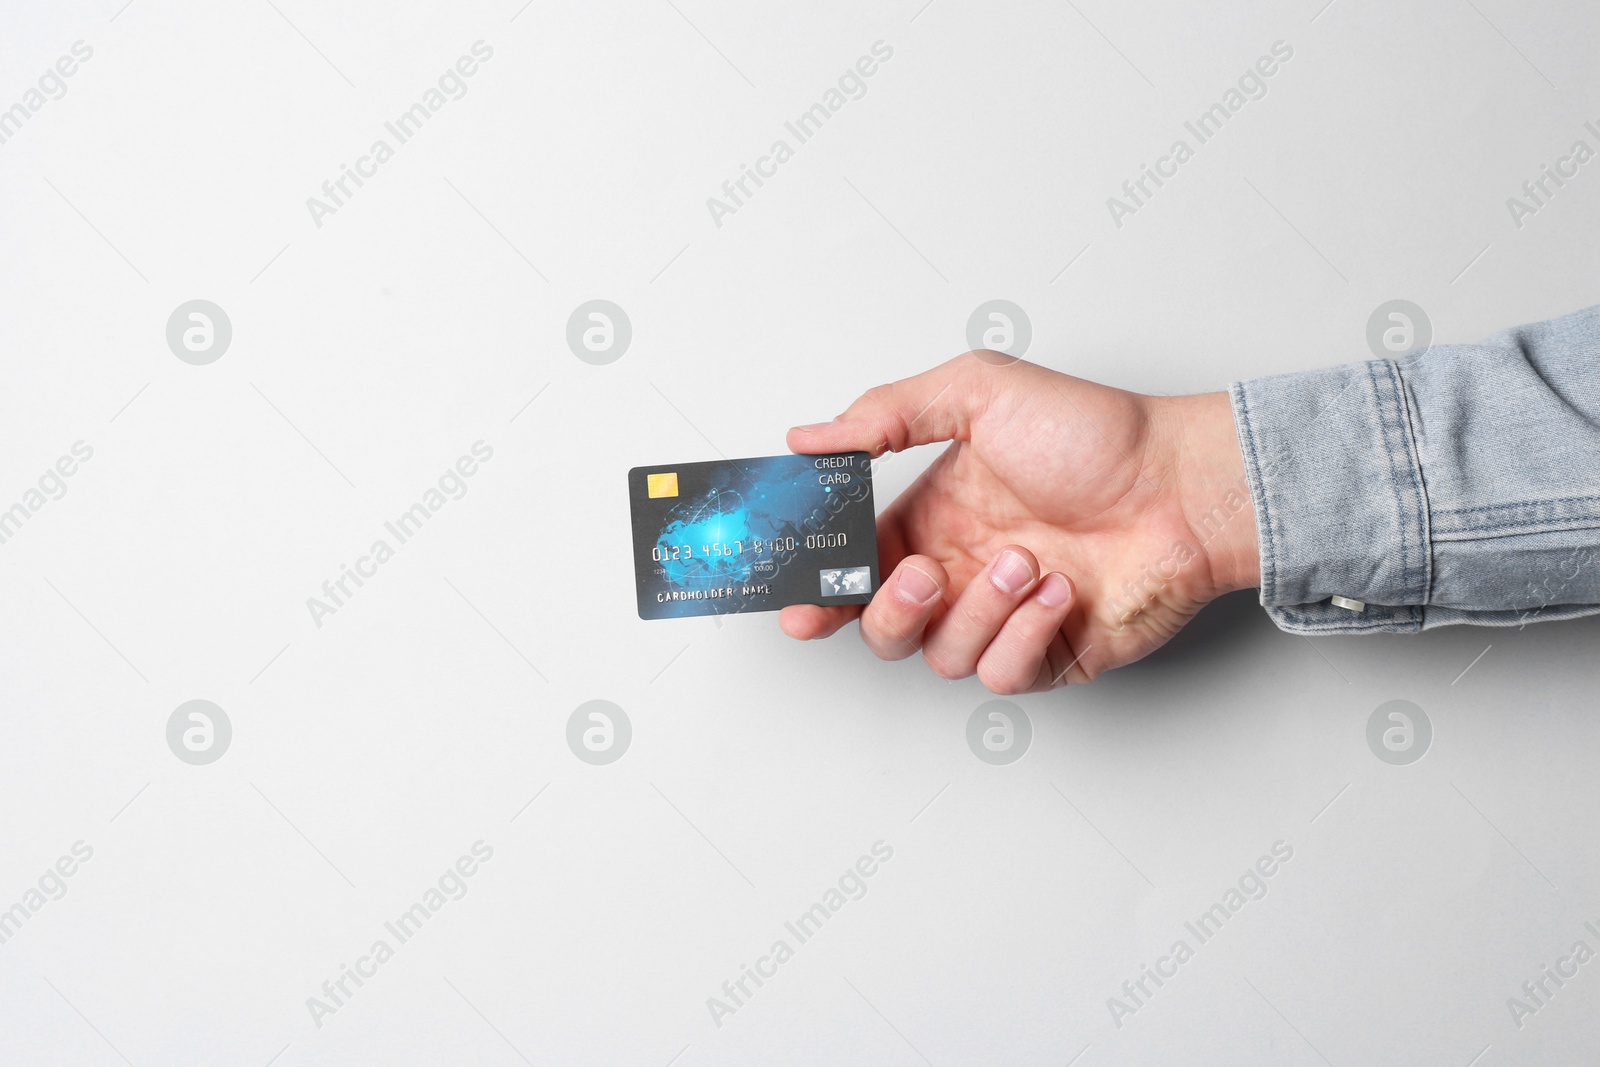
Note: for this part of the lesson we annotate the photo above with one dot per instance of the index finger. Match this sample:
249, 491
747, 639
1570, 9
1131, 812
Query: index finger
936, 405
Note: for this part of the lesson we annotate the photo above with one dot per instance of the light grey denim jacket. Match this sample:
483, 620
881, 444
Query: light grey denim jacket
1461, 485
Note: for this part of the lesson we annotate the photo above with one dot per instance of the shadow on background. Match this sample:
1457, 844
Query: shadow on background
1222, 629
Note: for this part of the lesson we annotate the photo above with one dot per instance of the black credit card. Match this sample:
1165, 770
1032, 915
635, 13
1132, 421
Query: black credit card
735, 535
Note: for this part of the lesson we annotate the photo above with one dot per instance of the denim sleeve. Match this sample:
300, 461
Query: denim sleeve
1461, 485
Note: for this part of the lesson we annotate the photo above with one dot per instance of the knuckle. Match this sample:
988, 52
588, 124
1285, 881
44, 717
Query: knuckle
892, 628
1079, 674
876, 407
890, 647
1017, 645
879, 404
944, 667
1055, 667
973, 618
877, 396
1001, 681
980, 360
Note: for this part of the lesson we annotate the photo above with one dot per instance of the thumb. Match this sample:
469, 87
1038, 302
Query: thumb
936, 405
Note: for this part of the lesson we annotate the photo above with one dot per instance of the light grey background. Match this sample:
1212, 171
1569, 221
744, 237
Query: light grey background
430, 312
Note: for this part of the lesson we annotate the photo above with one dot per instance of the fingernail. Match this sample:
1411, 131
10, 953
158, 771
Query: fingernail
813, 427
1011, 572
916, 586
1054, 591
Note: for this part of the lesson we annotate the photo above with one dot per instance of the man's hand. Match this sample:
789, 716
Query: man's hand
1068, 529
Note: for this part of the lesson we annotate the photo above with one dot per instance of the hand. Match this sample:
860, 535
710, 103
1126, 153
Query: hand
1069, 528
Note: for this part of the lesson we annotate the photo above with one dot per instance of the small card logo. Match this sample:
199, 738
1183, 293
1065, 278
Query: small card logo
659, 485
847, 581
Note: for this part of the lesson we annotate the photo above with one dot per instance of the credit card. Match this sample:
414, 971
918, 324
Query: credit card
736, 535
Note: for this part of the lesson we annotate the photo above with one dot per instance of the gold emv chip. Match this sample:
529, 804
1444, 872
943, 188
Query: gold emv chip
659, 485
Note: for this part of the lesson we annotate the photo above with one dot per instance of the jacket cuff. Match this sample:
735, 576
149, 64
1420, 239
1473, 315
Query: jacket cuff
1340, 510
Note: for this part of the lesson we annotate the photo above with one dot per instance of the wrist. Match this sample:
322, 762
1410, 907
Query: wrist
1212, 490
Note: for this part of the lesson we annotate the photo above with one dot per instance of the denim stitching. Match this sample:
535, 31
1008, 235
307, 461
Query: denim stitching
1567, 513
1524, 504
1396, 619
1418, 482
1496, 531
1394, 474
1269, 584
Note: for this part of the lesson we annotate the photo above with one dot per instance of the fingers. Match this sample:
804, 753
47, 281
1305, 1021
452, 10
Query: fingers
1029, 654
954, 646
808, 622
937, 405
893, 623
1006, 626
